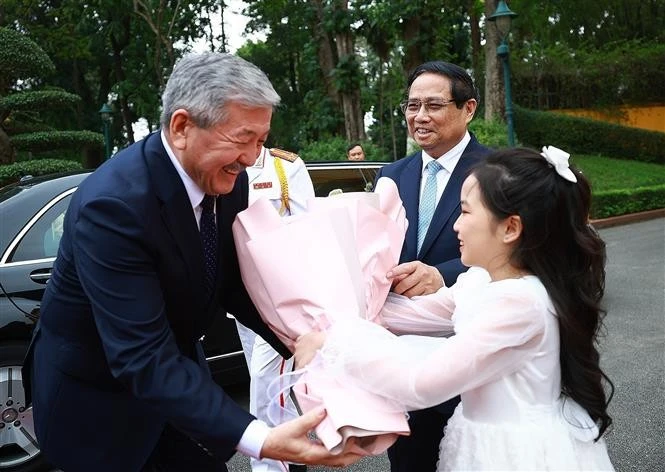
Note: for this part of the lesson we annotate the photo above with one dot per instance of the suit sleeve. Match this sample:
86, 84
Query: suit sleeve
451, 270
379, 174
116, 265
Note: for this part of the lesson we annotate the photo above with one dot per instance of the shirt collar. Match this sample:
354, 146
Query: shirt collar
450, 159
261, 160
194, 193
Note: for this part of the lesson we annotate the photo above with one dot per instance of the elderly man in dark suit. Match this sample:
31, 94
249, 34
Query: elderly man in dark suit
441, 102
119, 380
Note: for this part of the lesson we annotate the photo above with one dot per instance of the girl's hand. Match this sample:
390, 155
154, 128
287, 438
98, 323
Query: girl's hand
306, 347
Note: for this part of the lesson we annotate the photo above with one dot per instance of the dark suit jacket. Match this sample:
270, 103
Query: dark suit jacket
440, 247
116, 355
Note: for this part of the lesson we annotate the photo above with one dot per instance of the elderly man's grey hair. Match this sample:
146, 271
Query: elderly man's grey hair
204, 83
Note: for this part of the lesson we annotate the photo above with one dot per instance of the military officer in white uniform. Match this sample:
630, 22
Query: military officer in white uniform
282, 178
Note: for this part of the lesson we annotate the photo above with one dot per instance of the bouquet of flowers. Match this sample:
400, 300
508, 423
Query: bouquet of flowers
305, 272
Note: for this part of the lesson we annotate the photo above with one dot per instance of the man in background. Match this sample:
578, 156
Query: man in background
355, 152
441, 103
282, 178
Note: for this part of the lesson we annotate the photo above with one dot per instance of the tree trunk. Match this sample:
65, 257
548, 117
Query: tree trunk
325, 52
381, 121
411, 31
495, 103
393, 135
7, 154
353, 115
476, 47
92, 157
222, 10
118, 44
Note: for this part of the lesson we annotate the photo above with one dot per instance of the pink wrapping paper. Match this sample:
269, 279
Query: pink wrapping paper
307, 271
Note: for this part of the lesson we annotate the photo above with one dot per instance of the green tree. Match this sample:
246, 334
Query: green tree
317, 40
24, 99
588, 54
116, 51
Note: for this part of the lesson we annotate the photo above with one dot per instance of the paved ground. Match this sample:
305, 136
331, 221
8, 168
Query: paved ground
633, 351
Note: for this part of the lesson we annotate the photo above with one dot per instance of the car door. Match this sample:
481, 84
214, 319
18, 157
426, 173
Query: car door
25, 266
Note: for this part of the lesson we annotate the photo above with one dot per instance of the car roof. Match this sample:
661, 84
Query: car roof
20, 201
345, 164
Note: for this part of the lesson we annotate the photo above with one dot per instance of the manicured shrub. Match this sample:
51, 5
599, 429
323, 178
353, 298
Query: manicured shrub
585, 136
621, 202
13, 172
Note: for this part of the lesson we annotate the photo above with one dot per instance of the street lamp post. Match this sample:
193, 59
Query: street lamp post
105, 112
502, 18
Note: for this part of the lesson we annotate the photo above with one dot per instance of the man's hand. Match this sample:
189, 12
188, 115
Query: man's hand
306, 347
415, 278
289, 442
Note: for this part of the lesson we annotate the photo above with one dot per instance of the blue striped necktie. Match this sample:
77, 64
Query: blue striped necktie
427, 201
208, 230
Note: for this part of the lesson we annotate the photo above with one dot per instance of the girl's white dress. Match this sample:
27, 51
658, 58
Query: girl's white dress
503, 359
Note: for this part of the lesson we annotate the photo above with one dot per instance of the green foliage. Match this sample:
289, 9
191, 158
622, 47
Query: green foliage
37, 100
48, 140
347, 74
561, 76
13, 172
334, 149
20, 58
563, 53
631, 200
581, 135
490, 133
588, 24
22, 111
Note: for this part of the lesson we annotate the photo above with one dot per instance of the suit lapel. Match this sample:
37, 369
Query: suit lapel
409, 189
176, 212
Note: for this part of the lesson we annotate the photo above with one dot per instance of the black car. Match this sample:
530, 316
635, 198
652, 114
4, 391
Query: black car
31, 224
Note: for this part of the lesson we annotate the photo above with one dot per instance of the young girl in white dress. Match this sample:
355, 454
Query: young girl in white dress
525, 317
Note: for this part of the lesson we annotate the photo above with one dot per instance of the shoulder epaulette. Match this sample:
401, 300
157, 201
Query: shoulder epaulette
282, 154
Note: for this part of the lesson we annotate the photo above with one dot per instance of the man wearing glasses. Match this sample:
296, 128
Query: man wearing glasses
442, 101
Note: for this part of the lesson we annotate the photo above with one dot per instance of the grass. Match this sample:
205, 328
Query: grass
614, 174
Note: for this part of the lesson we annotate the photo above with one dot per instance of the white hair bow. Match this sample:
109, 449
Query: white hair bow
559, 160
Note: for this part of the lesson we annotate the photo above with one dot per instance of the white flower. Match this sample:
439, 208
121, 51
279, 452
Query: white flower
559, 160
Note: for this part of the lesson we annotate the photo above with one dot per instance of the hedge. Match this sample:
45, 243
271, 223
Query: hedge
582, 135
621, 202
48, 140
13, 172
38, 100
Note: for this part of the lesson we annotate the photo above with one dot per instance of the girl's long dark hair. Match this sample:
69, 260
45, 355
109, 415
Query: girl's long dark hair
563, 250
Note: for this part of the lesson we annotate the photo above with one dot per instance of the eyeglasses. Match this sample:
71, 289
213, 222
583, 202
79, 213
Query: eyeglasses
411, 107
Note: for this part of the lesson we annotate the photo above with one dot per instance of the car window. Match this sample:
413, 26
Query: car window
345, 179
42, 239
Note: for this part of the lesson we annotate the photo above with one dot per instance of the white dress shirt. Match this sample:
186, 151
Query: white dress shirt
448, 161
257, 431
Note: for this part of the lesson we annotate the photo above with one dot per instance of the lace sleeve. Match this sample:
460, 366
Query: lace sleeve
429, 315
419, 371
